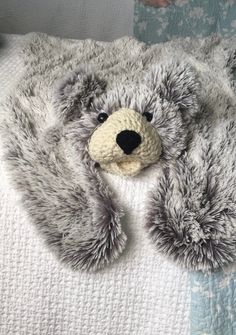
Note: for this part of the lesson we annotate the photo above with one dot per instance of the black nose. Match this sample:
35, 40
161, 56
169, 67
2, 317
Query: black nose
128, 140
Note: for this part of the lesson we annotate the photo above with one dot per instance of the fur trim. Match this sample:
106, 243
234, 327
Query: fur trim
191, 215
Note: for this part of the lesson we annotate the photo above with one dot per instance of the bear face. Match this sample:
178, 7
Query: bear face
130, 126
125, 142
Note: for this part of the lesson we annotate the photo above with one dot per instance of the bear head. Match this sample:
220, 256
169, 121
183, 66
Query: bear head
129, 126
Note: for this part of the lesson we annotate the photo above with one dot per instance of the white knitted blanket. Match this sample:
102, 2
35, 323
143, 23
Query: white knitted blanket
141, 294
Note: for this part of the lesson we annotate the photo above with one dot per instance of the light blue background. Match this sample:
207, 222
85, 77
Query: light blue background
213, 303
184, 18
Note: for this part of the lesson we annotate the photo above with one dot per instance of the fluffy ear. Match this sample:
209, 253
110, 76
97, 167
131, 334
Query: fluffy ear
75, 91
178, 83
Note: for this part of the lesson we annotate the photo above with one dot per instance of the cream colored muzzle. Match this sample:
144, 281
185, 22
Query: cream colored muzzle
125, 143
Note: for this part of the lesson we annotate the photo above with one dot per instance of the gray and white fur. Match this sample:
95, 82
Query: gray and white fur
191, 212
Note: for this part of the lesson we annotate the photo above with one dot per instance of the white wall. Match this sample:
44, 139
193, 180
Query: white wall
97, 19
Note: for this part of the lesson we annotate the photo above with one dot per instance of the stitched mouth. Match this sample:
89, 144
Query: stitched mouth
125, 168
129, 168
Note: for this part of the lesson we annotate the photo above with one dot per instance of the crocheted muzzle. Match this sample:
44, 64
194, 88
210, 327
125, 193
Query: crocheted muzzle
125, 142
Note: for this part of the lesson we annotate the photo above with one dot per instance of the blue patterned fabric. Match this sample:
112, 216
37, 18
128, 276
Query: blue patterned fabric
213, 303
183, 18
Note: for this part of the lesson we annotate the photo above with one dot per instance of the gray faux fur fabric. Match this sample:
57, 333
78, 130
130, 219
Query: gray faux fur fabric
188, 86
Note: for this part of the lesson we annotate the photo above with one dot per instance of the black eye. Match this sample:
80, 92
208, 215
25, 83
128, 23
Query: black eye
148, 116
102, 117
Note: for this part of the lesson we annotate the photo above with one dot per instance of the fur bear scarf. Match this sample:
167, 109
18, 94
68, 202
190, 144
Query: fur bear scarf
123, 106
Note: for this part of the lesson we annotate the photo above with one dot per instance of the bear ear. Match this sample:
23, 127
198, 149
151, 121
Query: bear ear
178, 83
76, 91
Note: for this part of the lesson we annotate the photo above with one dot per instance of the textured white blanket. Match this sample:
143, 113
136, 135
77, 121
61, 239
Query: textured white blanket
141, 294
